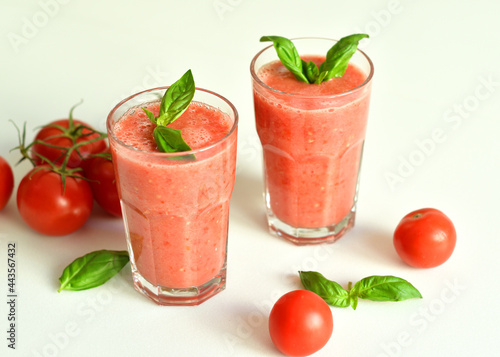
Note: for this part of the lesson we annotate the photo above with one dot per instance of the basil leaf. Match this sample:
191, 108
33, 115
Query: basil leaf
329, 290
385, 288
92, 270
150, 115
174, 102
170, 140
311, 70
288, 55
337, 58
321, 77
354, 300
176, 99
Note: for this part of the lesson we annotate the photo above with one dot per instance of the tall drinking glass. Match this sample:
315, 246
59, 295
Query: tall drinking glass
312, 138
176, 205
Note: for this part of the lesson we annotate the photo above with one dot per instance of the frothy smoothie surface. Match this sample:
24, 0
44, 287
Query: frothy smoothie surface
200, 124
276, 76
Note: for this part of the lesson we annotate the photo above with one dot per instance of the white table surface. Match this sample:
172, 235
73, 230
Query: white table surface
437, 70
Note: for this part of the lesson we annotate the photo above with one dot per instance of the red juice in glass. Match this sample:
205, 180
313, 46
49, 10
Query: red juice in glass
312, 137
176, 206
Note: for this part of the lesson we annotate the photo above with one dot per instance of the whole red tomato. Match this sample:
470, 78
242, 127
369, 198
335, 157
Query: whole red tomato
99, 170
300, 323
425, 238
62, 134
66, 133
6, 182
46, 209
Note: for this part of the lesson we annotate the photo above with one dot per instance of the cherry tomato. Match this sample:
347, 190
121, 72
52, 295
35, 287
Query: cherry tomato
45, 208
100, 172
425, 238
65, 133
300, 323
6, 182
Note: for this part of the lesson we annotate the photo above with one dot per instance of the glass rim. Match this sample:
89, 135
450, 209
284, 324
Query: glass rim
256, 78
111, 132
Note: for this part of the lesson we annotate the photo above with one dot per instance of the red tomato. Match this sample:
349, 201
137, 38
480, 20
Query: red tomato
45, 208
64, 134
425, 238
300, 323
6, 182
100, 172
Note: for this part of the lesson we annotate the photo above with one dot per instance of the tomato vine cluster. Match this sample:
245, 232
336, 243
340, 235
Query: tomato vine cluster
72, 167
6, 182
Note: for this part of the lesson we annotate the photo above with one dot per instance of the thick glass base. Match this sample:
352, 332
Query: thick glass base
304, 236
195, 295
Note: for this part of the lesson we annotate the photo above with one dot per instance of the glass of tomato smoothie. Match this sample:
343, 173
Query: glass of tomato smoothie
312, 137
176, 205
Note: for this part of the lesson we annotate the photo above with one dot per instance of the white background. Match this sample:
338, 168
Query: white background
433, 129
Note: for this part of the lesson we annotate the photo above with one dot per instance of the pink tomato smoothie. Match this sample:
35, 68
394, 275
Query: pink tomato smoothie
176, 209
312, 137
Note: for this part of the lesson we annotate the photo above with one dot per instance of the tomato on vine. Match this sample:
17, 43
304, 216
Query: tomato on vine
6, 182
54, 202
52, 198
101, 174
55, 139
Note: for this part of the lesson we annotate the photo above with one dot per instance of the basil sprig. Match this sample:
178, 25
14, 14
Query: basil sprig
375, 288
174, 102
92, 270
335, 64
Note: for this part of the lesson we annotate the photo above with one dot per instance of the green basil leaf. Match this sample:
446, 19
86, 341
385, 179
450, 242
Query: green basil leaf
311, 70
354, 300
288, 55
337, 58
92, 270
170, 140
321, 77
176, 99
329, 290
385, 288
174, 102
150, 115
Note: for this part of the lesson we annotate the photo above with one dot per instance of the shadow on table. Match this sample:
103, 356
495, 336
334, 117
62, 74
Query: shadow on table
375, 244
247, 202
244, 328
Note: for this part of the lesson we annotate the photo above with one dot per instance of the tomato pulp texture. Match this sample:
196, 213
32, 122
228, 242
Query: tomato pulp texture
312, 145
176, 211
425, 238
300, 323
45, 208
53, 134
6, 182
